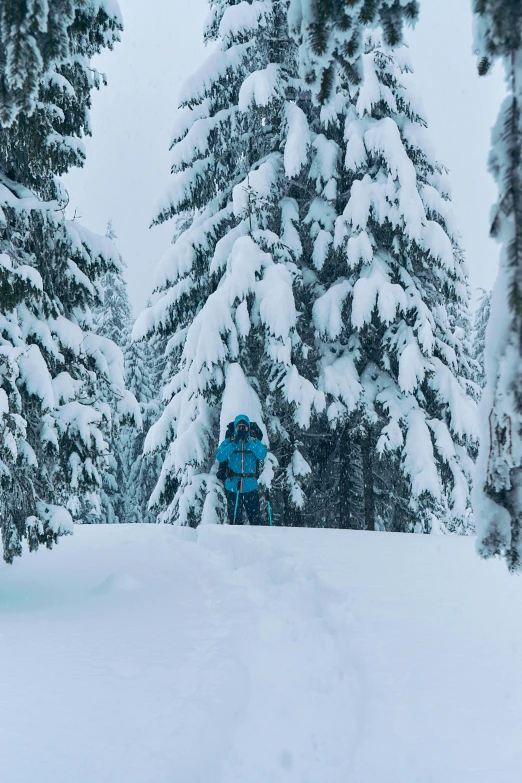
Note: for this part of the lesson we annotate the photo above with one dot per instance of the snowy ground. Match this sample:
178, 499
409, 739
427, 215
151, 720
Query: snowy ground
145, 654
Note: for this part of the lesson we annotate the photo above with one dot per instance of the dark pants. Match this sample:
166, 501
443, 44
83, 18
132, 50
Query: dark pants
248, 501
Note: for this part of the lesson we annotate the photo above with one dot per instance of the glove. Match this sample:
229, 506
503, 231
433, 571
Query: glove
241, 435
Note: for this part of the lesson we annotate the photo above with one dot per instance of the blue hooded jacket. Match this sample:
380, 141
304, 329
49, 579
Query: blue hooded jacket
242, 458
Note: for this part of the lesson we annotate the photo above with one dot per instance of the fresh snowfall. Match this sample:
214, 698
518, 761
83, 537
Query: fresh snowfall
269, 530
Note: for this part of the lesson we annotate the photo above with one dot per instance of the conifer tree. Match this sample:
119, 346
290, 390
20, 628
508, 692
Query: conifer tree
498, 483
347, 214
392, 309
479, 334
331, 34
54, 423
113, 320
228, 293
142, 471
37, 40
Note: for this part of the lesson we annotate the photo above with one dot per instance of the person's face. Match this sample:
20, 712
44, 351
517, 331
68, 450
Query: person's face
242, 427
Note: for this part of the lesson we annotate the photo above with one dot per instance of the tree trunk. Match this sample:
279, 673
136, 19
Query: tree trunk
369, 498
292, 515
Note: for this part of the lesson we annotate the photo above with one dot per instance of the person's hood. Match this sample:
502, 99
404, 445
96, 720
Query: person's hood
242, 417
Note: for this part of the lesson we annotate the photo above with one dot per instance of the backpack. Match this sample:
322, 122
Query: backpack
223, 469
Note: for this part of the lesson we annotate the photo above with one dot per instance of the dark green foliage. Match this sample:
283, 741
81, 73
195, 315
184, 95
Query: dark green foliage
479, 334
113, 320
41, 36
373, 479
498, 499
502, 34
332, 36
52, 419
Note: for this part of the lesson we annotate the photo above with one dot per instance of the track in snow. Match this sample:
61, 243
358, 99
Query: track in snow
148, 654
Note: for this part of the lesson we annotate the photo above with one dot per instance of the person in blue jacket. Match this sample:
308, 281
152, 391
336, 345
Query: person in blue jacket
241, 488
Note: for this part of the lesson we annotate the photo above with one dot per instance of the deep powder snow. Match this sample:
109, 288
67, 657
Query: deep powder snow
151, 654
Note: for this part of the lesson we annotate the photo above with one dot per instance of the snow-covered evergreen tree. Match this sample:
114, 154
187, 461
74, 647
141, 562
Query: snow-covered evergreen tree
142, 471
392, 306
320, 265
498, 484
54, 422
479, 334
331, 34
113, 320
228, 293
37, 40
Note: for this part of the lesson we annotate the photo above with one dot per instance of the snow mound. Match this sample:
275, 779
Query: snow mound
116, 583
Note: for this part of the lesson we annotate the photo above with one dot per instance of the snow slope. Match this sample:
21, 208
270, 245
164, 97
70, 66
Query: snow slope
150, 654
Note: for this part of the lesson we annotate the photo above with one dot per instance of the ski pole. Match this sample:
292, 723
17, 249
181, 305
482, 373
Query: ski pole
269, 507
237, 503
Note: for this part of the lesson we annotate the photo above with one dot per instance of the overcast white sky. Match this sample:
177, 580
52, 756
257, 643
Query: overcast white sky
128, 159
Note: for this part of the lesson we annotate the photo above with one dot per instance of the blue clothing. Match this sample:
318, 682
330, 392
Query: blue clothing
242, 456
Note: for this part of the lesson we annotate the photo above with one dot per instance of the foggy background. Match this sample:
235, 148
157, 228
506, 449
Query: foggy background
128, 160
